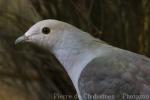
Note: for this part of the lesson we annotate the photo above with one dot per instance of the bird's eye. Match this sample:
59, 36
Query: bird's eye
46, 30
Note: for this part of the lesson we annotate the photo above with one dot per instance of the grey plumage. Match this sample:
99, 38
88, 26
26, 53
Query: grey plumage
116, 74
98, 71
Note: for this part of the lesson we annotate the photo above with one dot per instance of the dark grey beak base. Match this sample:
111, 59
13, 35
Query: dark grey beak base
21, 39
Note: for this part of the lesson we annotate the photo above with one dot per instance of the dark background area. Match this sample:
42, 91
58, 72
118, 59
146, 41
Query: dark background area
27, 73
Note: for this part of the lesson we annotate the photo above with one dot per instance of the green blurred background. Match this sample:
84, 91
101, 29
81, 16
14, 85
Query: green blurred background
27, 73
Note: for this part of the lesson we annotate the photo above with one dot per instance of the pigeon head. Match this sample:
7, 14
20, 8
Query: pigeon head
46, 33
53, 35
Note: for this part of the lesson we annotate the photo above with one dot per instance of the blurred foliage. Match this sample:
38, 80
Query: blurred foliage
27, 73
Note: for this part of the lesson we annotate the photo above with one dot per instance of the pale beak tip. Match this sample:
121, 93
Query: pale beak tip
20, 39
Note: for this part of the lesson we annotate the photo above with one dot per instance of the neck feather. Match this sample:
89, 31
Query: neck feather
74, 52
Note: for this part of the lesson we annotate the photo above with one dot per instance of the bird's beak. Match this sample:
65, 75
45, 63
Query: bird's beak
21, 39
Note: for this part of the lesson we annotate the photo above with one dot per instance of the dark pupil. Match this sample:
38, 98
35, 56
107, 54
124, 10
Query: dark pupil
45, 30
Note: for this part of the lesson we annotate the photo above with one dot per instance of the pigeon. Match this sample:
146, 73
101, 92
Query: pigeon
97, 70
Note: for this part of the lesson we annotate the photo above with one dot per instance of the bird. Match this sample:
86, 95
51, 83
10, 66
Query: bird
98, 70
